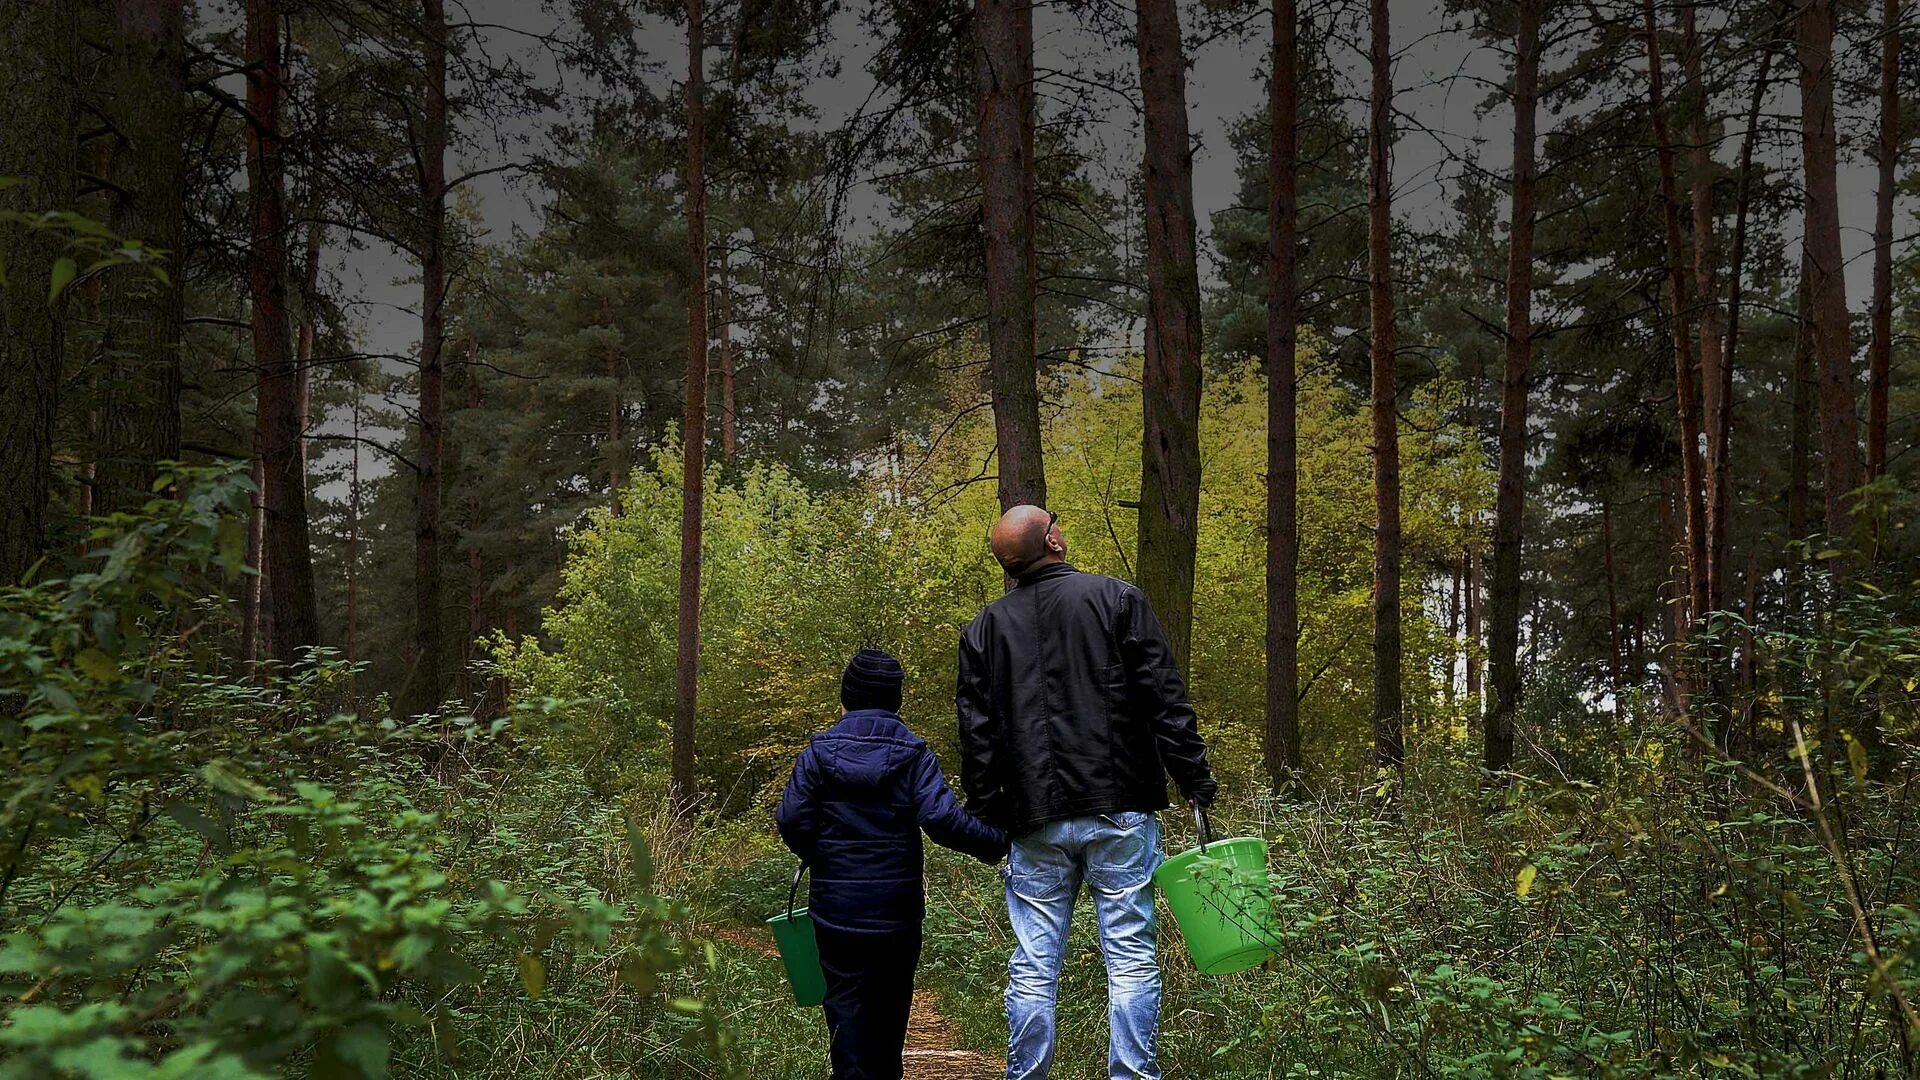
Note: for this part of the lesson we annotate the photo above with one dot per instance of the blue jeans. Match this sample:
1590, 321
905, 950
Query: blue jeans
1116, 855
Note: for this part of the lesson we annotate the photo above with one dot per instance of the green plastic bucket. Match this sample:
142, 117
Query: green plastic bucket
1222, 901
799, 952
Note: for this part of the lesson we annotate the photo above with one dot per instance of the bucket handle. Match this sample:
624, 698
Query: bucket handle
1202, 827
794, 889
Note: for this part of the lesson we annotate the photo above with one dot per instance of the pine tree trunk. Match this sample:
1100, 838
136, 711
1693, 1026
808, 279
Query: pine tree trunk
1283, 756
1880, 354
1826, 283
309, 332
1685, 377
1004, 75
1800, 464
253, 588
284, 538
429, 633
694, 428
1614, 670
39, 43
1389, 748
353, 533
1472, 588
729, 437
1510, 502
139, 411
1737, 257
1170, 385
616, 430
1715, 378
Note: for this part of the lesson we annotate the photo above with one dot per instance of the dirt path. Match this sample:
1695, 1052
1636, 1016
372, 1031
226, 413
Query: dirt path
930, 1054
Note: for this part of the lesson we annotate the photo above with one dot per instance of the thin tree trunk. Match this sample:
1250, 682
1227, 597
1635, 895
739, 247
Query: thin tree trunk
1715, 378
1880, 354
429, 658
1827, 285
284, 541
1737, 258
1456, 574
729, 439
140, 408
694, 429
1800, 454
1510, 501
1614, 669
255, 584
309, 331
1472, 586
39, 43
1283, 756
1676, 588
1004, 76
1389, 748
353, 532
1685, 378
616, 431
1170, 385
476, 564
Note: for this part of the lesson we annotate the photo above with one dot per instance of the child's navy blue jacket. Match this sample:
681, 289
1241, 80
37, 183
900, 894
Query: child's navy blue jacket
860, 794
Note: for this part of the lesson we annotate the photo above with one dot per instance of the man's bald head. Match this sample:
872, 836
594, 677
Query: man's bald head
1024, 538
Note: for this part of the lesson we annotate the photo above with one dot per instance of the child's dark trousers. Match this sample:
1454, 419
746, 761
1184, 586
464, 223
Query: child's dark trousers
869, 995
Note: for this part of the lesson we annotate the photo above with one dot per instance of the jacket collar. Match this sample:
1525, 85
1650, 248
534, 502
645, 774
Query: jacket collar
1044, 573
871, 724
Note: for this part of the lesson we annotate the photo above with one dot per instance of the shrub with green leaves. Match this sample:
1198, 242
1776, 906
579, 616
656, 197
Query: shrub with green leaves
219, 874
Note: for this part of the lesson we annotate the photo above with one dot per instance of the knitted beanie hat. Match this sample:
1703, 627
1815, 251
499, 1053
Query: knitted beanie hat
872, 681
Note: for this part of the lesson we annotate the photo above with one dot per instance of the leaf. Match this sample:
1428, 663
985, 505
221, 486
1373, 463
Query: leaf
364, 1046
1857, 757
97, 665
221, 777
1523, 881
63, 271
642, 857
533, 975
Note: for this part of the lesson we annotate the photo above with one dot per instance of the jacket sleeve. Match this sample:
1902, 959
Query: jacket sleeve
799, 814
946, 821
980, 769
1158, 692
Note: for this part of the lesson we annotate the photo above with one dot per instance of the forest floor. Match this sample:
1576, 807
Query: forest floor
931, 1052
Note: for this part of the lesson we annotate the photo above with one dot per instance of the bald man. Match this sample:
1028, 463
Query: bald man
1072, 716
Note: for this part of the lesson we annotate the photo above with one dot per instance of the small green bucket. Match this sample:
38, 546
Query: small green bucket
793, 935
1225, 908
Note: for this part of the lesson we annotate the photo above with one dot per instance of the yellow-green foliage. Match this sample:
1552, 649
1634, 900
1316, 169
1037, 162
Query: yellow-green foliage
796, 580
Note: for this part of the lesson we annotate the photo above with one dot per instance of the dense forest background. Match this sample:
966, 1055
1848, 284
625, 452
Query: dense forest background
451, 447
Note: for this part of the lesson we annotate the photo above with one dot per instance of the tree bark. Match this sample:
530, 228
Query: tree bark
1614, 670
1472, 588
1283, 752
1170, 383
729, 434
616, 429
309, 332
284, 537
1389, 749
1715, 377
39, 43
1827, 285
1510, 500
429, 633
1004, 70
1880, 354
1800, 454
694, 428
139, 411
353, 533
1685, 378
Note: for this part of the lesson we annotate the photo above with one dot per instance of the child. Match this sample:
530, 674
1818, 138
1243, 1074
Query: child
860, 794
